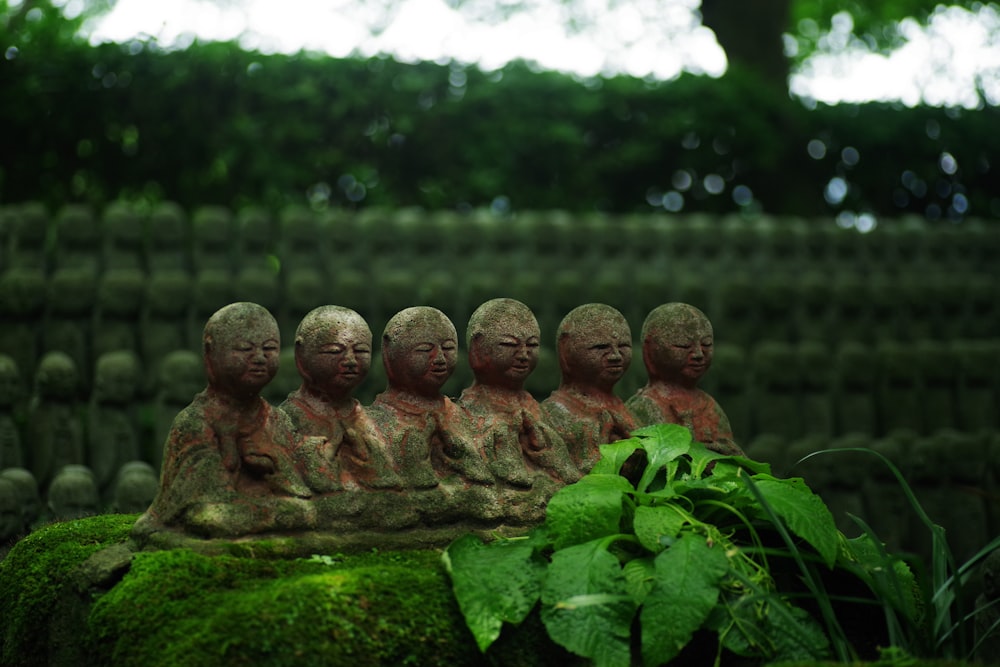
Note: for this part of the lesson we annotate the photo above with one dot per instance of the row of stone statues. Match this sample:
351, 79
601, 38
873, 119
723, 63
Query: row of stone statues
234, 465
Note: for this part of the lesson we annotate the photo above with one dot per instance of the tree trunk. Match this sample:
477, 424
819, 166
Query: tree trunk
750, 33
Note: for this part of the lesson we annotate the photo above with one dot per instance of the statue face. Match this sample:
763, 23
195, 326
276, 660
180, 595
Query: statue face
424, 358
337, 357
507, 355
57, 376
116, 380
74, 498
244, 361
11, 518
599, 356
681, 352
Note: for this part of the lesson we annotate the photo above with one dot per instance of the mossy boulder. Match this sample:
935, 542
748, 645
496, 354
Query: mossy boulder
76, 593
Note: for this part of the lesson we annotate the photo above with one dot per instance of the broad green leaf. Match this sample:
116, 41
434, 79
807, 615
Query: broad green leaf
803, 512
639, 578
599, 631
685, 589
795, 635
657, 527
586, 510
663, 443
494, 583
701, 456
889, 577
613, 456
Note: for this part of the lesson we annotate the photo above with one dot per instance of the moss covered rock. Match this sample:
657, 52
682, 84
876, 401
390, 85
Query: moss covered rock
76, 593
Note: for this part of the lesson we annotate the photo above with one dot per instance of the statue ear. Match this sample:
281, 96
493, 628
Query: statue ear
298, 363
477, 357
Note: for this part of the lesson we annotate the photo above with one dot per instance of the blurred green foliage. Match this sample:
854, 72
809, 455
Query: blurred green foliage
213, 124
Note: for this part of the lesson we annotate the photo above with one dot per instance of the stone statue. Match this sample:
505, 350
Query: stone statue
29, 500
11, 519
73, 494
11, 415
333, 352
504, 339
228, 466
595, 349
112, 424
55, 420
677, 342
181, 376
135, 487
431, 439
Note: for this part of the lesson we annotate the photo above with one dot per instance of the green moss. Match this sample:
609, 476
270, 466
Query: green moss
36, 573
179, 607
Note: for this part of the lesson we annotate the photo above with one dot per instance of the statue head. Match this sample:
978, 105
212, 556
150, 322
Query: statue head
595, 346
503, 339
135, 487
677, 344
116, 377
73, 494
182, 375
419, 350
27, 492
11, 518
241, 345
11, 388
333, 350
57, 376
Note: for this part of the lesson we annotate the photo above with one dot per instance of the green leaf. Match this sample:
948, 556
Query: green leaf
614, 455
600, 629
685, 589
663, 443
657, 527
639, 578
586, 510
803, 512
493, 583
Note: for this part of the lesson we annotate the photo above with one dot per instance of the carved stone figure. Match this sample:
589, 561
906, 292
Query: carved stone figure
181, 376
11, 414
228, 464
135, 487
594, 343
73, 494
677, 341
22, 304
112, 426
504, 339
29, 499
333, 352
55, 420
68, 323
431, 439
163, 322
11, 519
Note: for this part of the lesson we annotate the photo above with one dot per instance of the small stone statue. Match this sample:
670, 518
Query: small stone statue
12, 524
29, 499
431, 439
504, 339
135, 487
55, 419
11, 416
73, 494
333, 352
112, 426
228, 466
181, 376
677, 342
595, 349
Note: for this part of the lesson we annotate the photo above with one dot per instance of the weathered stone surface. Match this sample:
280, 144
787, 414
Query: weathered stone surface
677, 342
595, 349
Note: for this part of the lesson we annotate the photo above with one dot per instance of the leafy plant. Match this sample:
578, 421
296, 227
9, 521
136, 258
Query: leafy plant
945, 630
701, 543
